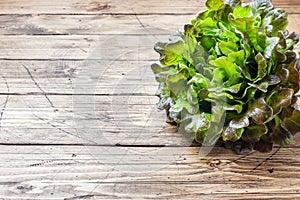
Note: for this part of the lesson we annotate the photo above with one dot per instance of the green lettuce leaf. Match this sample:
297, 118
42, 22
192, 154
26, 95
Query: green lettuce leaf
214, 4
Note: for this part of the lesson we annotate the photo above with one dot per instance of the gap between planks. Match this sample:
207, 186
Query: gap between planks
115, 7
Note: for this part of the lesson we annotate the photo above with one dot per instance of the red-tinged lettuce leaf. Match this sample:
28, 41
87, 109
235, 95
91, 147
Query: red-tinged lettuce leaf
264, 84
165, 101
294, 77
232, 134
263, 146
294, 36
280, 57
280, 134
239, 147
283, 74
233, 3
287, 111
291, 56
247, 27
238, 123
271, 44
243, 93
253, 133
277, 18
261, 6
260, 112
292, 123
280, 99
195, 125
262, 65
282, 41
237, 107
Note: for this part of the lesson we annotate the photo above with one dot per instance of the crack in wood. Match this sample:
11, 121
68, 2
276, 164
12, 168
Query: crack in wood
80, 197
56, 162
138, 19
6, 100
244, 156
42, 163
266, 159
143, 26
62, 130
38, 86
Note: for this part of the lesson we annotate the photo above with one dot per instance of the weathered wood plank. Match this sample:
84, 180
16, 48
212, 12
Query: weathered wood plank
101, 120
97, 7
116, 7
136, 48
79, 77
37, 107
100, 24
91, 25
69, 171
80, 47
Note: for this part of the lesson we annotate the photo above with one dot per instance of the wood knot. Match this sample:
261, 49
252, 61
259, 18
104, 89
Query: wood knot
96, 6
214, 163
24, 188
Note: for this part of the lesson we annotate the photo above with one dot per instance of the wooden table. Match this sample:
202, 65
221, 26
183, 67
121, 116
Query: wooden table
78, 118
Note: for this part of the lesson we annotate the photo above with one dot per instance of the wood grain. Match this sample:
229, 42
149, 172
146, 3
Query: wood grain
78, 118
101, 24
61, 77
140, 7
90, 25
62, 172
80, 47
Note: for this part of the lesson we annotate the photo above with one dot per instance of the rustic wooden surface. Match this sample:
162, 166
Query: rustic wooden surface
62, 138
